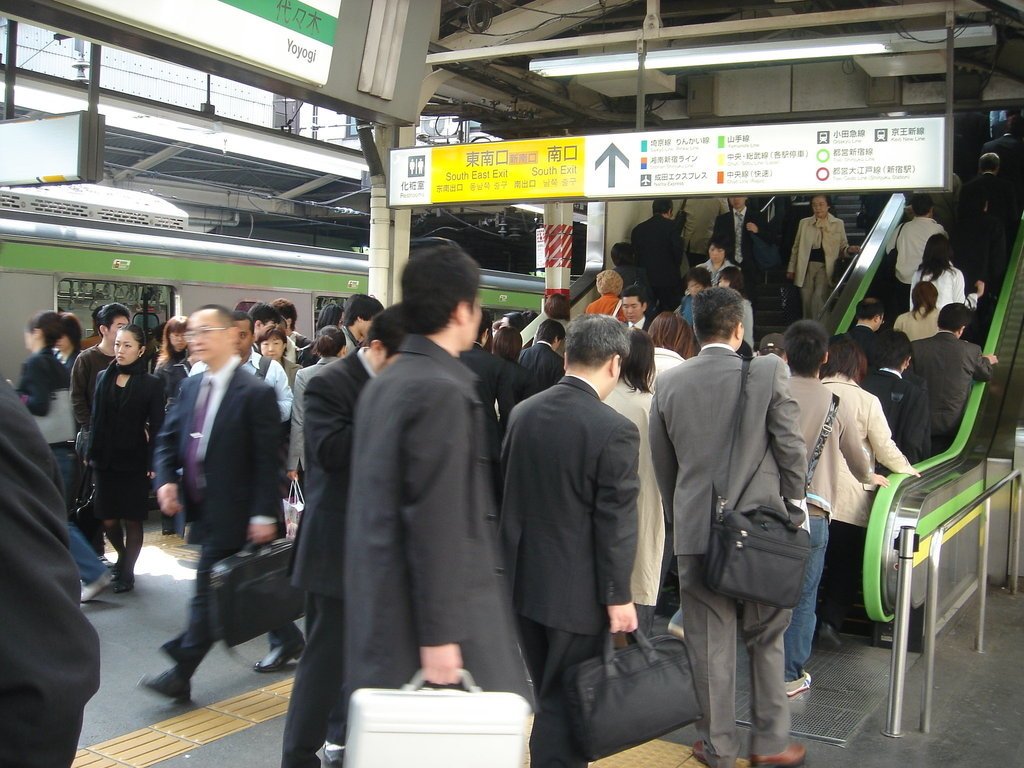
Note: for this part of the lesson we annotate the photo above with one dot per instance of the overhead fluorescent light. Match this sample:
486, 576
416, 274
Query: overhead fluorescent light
196, 130
776, 50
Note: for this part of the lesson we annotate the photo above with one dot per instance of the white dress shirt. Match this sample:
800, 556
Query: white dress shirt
276, 378
909, 240
950, 286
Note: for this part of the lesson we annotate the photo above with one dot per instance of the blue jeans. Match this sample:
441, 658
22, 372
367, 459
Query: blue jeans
800, 635
90, 567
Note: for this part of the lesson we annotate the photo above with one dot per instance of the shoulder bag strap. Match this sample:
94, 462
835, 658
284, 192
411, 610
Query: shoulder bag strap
737, 413
823, 436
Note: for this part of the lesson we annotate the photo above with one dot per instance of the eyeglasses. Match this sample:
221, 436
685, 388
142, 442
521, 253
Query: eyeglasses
196, 333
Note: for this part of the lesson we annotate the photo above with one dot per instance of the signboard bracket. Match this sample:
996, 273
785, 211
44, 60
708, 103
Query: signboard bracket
10, 68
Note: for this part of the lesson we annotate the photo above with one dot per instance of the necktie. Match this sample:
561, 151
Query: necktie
195, 482
738, 254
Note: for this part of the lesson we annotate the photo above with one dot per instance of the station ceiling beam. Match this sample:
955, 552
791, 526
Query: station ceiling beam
151, 161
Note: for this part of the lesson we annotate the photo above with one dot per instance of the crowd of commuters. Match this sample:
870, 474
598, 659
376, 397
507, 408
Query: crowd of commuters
474, 504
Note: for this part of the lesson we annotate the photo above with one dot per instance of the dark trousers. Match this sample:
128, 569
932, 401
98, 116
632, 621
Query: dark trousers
190, 647
666, 297
549, 652
319, 703
844, 560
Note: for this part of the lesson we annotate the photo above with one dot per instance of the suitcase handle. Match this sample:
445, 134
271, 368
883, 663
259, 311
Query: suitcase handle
641, 640
418, 682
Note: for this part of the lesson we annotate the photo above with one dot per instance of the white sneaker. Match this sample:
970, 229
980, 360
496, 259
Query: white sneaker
798, 686
334, 754
89, 591
675, 624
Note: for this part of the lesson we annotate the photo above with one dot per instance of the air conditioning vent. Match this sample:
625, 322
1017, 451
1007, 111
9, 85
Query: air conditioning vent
96, 203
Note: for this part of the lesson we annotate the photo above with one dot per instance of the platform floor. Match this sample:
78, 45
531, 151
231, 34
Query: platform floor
236, 717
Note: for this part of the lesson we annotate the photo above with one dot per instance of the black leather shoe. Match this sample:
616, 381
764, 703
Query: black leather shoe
828, 637
278, 657
169, 684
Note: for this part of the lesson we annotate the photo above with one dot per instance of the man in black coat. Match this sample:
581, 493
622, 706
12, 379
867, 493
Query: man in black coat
658, 244
319, 702
50, 653
1010, 148
991, 193
737, 228
423, 590
542, 359
495, 387
569, 524
904, 397
223, 435
870, 314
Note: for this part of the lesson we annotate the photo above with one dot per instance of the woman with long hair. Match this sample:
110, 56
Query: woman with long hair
43, 384
127, 413
937, 267
732, 277
673, 341
69, 343
507, 344
632, 398
842, 373
172, 365
921, 322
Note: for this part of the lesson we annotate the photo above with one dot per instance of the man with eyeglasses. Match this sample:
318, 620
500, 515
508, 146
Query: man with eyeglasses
217, 457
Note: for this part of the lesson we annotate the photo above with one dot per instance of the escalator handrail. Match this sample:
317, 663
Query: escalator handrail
886, 502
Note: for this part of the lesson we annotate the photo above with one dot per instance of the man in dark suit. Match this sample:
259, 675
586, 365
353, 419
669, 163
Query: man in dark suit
223, 435
904, 396
50, 651
870, 314
1010, 148
423, 591
991, 189
495, 388
696, 458
569, 524
949, 365
542, 359
737, 228
658, 243
319, 702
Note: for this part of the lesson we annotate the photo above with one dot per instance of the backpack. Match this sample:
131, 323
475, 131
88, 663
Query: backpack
261, 372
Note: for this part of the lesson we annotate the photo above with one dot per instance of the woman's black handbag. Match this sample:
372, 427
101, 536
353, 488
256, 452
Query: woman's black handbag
760, 555
251, 592
632, 695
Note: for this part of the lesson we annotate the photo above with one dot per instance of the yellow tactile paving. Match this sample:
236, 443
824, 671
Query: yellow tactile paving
283, 688
203, 725
654, 754
143, 748
86, 759
256, 706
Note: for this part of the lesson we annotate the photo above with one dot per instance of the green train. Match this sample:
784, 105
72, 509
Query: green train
76, 265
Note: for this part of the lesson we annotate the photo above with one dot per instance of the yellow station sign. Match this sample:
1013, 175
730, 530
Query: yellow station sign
500, 171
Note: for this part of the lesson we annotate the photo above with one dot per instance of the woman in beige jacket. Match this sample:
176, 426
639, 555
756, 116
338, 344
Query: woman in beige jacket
845, 367
632, 398
820, 240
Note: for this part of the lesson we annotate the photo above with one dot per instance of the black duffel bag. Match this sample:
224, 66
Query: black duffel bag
760, 556
632, 695
251, 592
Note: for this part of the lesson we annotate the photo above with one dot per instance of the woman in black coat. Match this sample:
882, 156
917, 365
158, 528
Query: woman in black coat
508, 343
172, 365
127, 413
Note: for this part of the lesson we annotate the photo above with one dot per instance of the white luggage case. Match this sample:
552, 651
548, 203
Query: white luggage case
436, 728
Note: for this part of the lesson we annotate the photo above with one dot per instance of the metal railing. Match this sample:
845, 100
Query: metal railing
979, 507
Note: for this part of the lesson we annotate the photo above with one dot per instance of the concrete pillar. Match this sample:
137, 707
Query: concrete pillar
380, 223
401, 232
558, 247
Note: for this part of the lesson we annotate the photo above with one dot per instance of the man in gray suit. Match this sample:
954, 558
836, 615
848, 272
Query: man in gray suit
691, 417
949, 365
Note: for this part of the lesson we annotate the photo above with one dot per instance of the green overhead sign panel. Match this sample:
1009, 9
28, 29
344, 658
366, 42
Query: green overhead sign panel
292, 37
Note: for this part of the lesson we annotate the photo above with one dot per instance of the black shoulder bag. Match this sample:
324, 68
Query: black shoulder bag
760, 555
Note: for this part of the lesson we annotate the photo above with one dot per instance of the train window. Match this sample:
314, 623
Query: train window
320, 302
149, 305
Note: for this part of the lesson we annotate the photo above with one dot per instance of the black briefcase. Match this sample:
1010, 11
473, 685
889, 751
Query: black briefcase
632, 695
251, 593
759, 556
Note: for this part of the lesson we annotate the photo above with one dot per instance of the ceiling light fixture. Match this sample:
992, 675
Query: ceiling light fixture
776, 50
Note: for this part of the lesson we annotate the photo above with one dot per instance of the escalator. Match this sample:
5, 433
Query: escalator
980, 456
